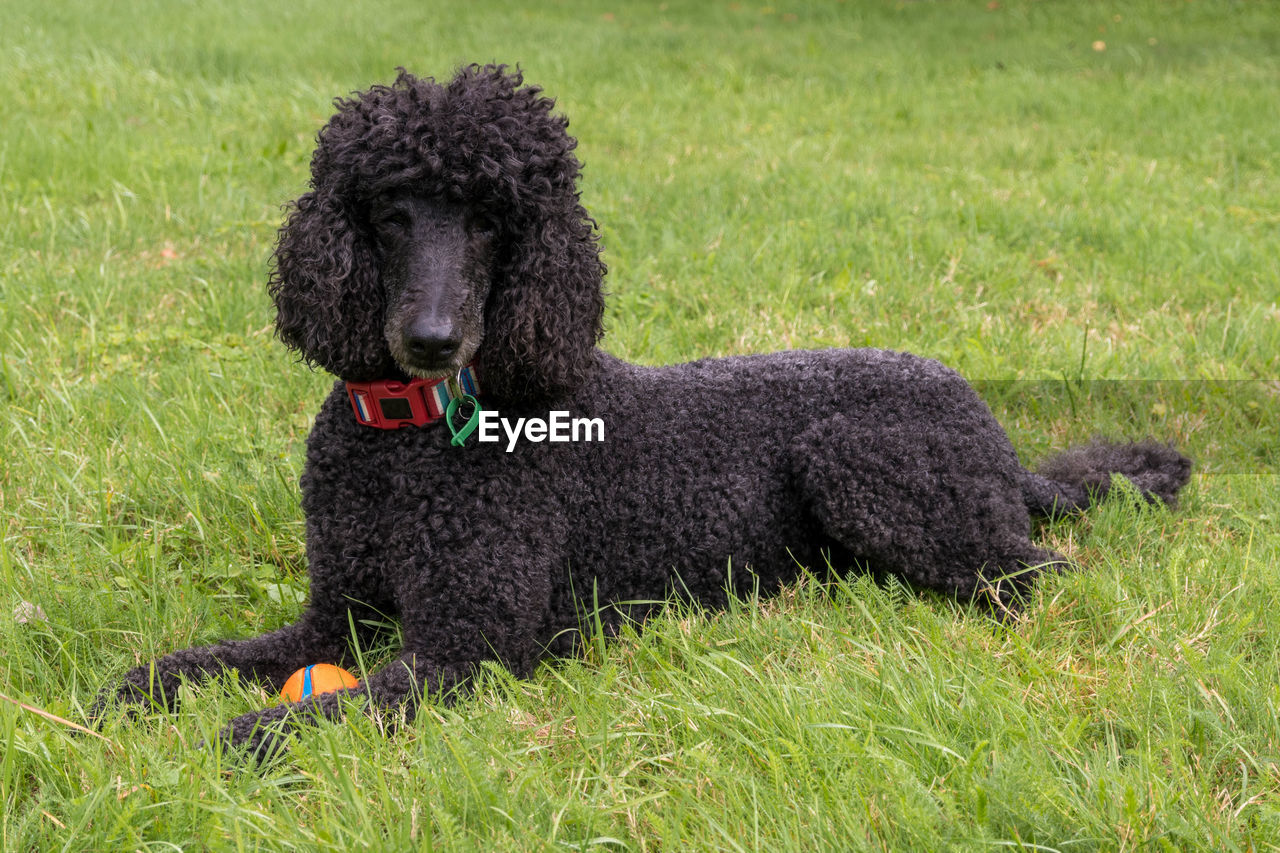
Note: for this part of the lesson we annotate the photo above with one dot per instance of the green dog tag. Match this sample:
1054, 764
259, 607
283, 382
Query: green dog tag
460, 433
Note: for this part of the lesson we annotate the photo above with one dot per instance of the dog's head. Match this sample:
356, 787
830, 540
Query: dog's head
443, 226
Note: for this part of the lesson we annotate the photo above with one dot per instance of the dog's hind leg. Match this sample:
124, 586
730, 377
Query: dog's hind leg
933, 503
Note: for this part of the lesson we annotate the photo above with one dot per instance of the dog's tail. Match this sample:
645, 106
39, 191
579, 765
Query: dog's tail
1080, 476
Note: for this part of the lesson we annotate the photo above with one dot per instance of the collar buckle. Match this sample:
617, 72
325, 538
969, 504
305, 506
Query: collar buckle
391, 404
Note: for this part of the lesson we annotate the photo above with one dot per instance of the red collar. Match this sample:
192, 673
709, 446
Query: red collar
389, 404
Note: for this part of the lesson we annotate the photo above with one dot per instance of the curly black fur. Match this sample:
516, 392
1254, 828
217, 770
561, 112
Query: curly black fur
443, 222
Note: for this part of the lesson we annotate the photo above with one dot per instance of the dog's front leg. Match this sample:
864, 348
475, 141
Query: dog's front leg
483, 608
271, 657
397, 688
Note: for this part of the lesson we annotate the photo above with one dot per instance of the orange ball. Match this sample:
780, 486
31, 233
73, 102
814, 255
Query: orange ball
316, 679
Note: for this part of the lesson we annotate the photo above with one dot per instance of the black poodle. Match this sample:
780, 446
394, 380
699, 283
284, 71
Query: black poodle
443, 269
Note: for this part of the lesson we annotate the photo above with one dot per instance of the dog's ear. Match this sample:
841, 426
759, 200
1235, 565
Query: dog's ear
545, 312
329, 305
546, 307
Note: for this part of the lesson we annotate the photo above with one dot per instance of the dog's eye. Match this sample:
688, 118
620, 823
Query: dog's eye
391, 224
482, 228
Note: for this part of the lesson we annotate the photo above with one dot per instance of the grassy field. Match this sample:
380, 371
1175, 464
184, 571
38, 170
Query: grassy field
1075, 203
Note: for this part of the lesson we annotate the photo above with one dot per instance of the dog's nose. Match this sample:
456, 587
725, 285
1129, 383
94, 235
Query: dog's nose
431, 340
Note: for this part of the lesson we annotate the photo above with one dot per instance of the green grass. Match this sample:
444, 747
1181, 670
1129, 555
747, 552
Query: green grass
1090, 234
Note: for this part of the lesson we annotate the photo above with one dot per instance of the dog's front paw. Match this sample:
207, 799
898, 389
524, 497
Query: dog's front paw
259, 735
143, 689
